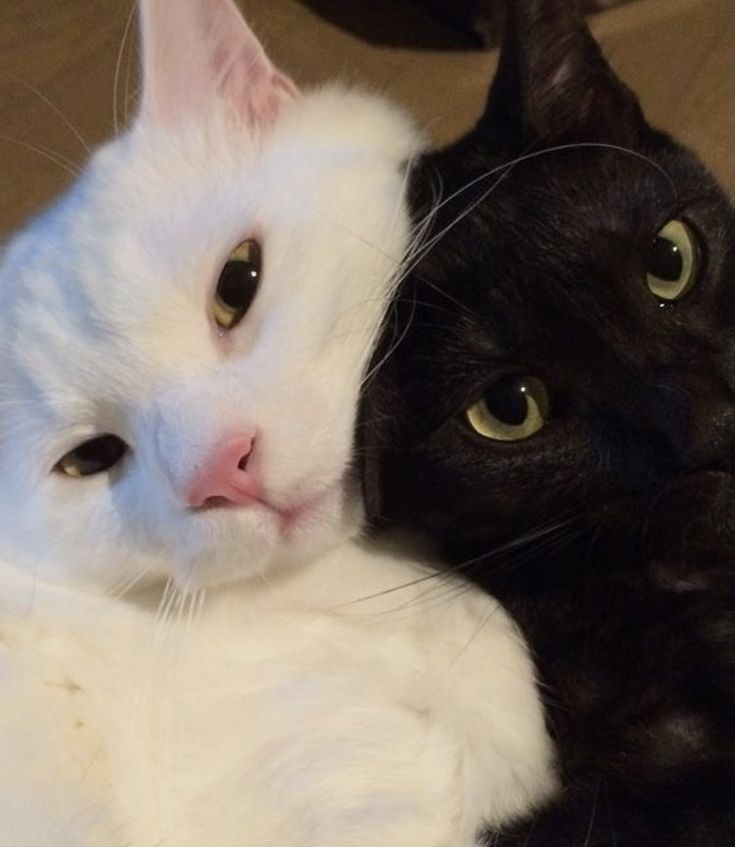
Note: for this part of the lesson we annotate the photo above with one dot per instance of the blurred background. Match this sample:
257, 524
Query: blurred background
68, 70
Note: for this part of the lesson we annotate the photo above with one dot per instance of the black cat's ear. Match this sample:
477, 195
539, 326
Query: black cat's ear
552, 80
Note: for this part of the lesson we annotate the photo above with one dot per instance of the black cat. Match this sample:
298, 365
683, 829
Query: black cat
558, 412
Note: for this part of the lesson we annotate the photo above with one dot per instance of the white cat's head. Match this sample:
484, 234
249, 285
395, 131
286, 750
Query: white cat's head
183, 335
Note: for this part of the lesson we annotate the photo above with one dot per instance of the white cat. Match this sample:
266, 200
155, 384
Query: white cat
183, 341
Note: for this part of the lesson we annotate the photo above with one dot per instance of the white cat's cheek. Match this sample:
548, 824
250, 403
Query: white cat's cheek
216, 546
86, 532
335, 515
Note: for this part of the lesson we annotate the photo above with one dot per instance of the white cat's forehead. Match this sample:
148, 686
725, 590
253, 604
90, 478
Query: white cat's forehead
121, 270
150, 203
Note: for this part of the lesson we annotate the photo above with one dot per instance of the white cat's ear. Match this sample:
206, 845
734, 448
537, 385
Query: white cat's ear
201, 53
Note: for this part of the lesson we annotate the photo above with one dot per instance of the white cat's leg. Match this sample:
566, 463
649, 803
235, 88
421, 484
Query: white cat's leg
486, 688
51, 790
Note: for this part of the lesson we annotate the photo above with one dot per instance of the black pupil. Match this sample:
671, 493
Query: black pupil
238, 284
664, 260
97, 455
506, 400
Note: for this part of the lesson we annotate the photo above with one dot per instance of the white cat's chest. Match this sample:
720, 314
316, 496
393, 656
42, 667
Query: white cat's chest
268, 722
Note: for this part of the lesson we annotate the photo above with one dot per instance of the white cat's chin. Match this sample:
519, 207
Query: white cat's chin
232, 544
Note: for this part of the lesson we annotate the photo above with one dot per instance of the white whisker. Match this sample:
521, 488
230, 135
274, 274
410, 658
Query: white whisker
56, 110
507, 167
125, 586
50, 155
118, 67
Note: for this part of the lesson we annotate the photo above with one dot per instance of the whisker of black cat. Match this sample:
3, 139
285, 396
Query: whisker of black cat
528, 538
434, 208
438, 590
610, 820
506, 168
437, 202
593, 818
399, 204
447, 296
437, 595
432, 575
416, 242
541, 531
493, 607
435, 239
422, 225
375, 367
538, 553
426, 304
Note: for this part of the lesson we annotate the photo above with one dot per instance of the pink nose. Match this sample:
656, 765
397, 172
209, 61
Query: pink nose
223, 478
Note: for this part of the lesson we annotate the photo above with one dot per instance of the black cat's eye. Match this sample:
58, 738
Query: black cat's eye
511, 409
237, 284
92, 457
672, 261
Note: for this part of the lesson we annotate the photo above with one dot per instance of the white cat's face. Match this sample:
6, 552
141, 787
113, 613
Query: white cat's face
237, 442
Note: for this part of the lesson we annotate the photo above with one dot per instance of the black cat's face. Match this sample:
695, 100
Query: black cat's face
567, 345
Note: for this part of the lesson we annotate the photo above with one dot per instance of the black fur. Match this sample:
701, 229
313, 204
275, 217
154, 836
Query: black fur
609, 533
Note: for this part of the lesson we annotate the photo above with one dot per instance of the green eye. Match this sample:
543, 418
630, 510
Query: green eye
672, 262
92, 457
237, 284
511, 409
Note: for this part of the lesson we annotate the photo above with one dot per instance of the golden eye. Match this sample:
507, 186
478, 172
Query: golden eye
92, 457
511, 409
672, 262
237, 284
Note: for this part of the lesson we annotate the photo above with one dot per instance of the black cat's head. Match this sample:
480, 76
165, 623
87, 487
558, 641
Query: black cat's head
563, 352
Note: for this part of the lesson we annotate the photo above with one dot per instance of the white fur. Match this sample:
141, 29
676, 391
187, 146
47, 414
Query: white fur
282, 714
287, 709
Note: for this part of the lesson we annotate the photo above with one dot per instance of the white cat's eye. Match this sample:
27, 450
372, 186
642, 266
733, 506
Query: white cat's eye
511, 409
92, 457
237, 284
672, 262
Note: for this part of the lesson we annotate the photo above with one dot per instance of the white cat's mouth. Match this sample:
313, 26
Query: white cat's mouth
229, 542
289, 518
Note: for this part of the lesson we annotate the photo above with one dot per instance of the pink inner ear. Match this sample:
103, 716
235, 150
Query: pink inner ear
200, 52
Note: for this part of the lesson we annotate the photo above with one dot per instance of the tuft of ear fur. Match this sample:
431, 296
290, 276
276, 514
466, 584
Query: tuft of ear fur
552, 81
197, 53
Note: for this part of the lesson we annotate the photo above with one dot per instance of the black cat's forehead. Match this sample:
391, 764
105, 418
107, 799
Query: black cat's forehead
652, 173
541, 261
563, 208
